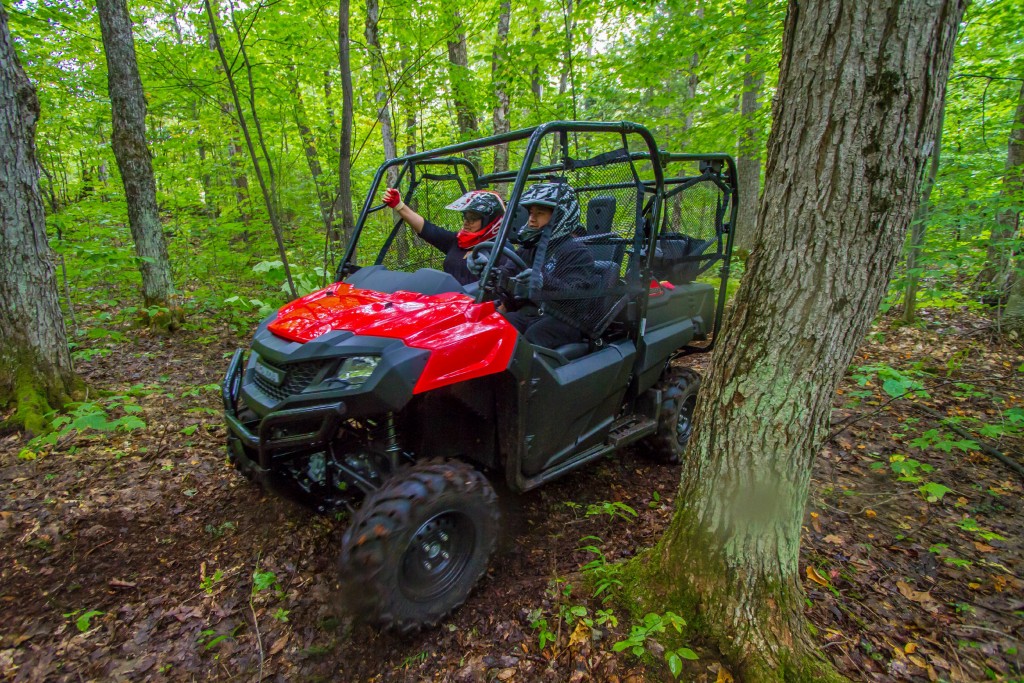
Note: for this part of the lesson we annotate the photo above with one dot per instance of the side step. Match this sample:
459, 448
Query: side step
630, 429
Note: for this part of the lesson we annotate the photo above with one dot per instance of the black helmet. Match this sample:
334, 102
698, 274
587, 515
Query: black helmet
559, 196
484, 202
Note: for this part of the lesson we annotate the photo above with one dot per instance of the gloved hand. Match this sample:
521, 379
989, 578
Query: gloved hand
393, 199
476, 261
521, 284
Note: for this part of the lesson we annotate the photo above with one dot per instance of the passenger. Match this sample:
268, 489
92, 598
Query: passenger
481, 217
567, 267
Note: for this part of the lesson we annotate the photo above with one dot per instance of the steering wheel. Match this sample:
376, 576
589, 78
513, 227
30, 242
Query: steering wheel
481, 254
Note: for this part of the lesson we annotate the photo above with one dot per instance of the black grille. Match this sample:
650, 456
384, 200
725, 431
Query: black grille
298, 376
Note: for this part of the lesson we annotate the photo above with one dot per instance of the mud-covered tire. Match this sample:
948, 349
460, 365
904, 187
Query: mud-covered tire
417, 545
679, 387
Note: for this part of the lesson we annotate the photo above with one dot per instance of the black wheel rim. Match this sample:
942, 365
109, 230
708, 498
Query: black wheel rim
684, 423
437, 556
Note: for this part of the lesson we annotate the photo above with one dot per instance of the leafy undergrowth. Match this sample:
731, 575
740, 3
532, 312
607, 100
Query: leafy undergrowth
130, 550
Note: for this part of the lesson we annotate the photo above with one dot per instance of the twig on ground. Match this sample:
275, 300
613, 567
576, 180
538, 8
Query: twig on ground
256, 624
998, 455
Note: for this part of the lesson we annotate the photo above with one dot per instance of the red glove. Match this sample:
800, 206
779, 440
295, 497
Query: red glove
393, 199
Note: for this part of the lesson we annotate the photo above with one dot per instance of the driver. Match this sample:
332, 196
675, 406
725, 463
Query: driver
481, 217
567, 267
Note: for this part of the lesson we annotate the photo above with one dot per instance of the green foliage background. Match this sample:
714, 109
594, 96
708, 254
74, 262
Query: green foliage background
677, 67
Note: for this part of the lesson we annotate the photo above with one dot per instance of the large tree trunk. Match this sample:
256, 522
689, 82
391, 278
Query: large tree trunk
128, 107
35, 363
845, 155
1009, 219
344, 201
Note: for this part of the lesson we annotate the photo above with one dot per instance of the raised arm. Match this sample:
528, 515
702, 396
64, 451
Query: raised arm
394, 199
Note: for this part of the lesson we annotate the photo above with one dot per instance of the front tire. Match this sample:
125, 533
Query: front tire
679, 387
417, 546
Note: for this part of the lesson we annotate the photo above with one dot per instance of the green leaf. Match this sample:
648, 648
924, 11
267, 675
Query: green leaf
82, 623
934, 492
687, 653
675, 664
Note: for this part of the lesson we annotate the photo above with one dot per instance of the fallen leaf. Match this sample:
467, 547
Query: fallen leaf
723, 675
279, 644
871, 513
835, 540
918, 661
910, 648
924, 598
817, 578
121, 583
983, 548
580, 634
506, 674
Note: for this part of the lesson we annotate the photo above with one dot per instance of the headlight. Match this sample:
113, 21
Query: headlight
357, 369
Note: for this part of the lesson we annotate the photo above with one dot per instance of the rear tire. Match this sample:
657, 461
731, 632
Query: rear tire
417, 546
679, 387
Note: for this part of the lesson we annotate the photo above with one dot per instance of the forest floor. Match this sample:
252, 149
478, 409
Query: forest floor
131, 552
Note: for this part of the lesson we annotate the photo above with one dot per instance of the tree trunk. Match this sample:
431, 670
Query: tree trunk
999, 273
309, 147
267, 197
748, 162
344, 201
35, 364
463, 86
128, 107
1009, 219
919, 227
499, 81
380, 78
730, 557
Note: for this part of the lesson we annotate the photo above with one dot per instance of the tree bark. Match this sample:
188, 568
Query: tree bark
344, 201
36, 374
845, 155
128, 108
1009, 219
267, 197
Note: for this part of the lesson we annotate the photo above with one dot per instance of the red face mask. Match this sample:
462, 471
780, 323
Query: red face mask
468, 240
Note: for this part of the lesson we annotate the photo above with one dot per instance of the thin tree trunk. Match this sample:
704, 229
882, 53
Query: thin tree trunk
344, 201
919, 227
239, 180
1009, 219
730, 557
128, 107
748, 162
380, 79
463, 86
309, 147
499, 80
267, 198
999, 272
36, 374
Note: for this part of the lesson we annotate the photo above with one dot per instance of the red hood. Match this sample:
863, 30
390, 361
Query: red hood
467, 339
